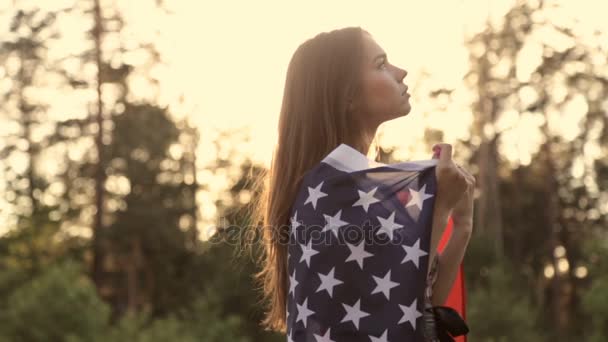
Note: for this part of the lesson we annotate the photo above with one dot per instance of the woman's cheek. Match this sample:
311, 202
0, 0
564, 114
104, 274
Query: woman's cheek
382, 90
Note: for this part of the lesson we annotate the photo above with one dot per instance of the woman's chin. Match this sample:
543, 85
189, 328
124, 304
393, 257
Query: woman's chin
406, 109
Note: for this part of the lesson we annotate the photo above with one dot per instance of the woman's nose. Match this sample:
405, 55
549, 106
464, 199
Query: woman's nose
401, 73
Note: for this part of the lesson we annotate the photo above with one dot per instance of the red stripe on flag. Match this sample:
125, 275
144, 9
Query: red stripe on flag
457, 297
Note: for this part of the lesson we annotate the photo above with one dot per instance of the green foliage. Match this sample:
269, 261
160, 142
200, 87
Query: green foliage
230, 277
200, 322
594, 300
148, 231
595, 305
55, 305
61, 304
500, 311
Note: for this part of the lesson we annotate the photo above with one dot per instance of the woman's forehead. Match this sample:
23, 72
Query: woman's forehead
371, 48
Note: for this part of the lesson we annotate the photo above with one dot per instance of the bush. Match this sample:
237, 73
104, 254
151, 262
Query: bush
58, 304
201, 322
62, 305
498, 312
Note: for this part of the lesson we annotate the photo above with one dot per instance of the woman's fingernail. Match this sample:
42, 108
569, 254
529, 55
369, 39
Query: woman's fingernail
436, 151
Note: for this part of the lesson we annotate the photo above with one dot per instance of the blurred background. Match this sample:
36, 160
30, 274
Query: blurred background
130, 133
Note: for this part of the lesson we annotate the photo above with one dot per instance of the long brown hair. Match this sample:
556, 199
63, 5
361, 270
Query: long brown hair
323, 77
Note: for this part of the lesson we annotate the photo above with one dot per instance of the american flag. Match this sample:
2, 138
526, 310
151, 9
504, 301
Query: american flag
358, 250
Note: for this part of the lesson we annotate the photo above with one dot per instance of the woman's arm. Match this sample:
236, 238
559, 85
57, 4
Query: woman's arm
450, 259
449, 263
451, 185
440, 221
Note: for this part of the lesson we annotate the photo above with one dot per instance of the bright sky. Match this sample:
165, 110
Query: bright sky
228, 60
232, 56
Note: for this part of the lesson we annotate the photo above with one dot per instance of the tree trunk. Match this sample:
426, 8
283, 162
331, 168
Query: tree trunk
100, 173
132, 270
560, 286
489, 217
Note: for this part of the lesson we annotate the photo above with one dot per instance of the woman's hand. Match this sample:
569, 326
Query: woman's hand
462, 215
455, 188
452, 183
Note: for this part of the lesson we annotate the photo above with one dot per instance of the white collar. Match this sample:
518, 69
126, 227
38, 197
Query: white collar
348, 159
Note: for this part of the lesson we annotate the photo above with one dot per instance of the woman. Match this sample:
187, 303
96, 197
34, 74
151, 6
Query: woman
340, 87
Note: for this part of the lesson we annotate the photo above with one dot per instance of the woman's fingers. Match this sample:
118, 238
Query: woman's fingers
469, 177
444, 151
452, 180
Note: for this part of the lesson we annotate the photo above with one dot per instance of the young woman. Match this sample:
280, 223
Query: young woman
340, 87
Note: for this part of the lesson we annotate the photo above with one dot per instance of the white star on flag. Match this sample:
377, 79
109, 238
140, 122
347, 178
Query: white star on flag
410, 314
303, 312
382, 338
366, 198
334, 223
388, 225
307, 253
384, 285
314, 194
292, 282
328, 282
324, 338
418, 197
413, 253
354, 313
358, 253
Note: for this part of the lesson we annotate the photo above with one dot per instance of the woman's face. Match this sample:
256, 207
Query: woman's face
383, 95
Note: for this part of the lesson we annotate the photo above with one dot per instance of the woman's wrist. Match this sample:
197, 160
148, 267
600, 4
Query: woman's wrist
441, 209
441, 215
463, 229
